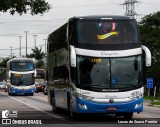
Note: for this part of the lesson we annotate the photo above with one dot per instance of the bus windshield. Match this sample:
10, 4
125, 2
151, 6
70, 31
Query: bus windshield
107, 31
22, 66
22, 79
109, 73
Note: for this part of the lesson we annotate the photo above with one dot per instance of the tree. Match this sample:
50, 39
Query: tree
150, 36
38, 54
3, 64
23, 6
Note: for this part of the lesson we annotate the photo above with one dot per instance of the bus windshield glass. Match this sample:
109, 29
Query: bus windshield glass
106, 73
22, 66
22, 79
107, 31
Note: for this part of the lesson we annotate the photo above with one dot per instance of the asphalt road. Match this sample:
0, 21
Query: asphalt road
37, 109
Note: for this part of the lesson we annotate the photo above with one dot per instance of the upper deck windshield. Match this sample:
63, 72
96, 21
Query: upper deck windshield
22, 66
109, 73
22, 79
107, 31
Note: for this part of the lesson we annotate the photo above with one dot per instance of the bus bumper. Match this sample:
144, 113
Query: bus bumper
22, 91
84, 106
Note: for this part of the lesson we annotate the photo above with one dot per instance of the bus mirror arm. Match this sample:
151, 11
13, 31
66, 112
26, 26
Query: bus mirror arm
9, 74
35, 73
147, 56
73, 56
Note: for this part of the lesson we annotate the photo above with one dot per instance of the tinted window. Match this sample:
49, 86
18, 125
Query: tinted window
22, 66
107, 31
109, 72
22, 79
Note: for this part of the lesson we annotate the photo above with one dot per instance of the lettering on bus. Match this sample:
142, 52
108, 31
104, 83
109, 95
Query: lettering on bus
17, 75
109, 53
96, 60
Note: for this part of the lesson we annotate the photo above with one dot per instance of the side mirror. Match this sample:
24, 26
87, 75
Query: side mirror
9, 74
148, 57
35, 73
73, 56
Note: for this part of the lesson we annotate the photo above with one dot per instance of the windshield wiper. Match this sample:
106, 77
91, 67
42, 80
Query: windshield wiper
135, 86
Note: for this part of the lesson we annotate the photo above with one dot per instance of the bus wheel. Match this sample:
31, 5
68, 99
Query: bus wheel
9, 93
128, 115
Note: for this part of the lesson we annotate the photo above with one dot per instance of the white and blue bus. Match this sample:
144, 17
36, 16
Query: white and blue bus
21, 75
95, 65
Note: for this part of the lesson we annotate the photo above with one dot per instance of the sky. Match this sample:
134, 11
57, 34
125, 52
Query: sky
13, 26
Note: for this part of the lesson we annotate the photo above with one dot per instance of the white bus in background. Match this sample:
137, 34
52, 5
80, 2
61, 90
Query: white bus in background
40, 75
95, 65
21, 75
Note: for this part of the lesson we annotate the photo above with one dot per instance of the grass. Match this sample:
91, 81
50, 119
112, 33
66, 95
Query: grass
156, 103
155, 100
151, 98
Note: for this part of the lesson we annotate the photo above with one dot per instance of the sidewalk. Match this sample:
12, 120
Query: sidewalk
149, 103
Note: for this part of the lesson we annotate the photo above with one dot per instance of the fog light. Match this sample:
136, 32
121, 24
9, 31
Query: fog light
138, 105
83, 106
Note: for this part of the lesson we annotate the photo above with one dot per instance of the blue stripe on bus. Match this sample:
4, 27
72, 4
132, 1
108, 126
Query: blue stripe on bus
93, 107
18, 91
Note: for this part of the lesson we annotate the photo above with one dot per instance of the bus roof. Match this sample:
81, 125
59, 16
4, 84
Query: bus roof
103, 17
21, 59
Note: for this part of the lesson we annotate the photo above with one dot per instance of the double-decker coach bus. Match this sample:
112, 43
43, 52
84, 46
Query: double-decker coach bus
95, 65
21, 75
40, 75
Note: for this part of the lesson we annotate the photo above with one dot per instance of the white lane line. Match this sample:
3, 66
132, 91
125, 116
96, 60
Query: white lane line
55, 116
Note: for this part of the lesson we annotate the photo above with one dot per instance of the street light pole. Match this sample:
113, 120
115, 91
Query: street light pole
45, 45
11, 51
26, 41
20, 45
35, 40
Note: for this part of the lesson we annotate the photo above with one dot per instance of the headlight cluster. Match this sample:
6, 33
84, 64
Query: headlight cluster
84, 97
13, 87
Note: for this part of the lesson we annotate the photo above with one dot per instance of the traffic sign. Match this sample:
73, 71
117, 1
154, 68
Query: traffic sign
149, 83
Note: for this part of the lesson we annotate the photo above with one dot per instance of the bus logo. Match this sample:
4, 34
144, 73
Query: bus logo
111, 100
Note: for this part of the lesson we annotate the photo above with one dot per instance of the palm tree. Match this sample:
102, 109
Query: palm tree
37, 53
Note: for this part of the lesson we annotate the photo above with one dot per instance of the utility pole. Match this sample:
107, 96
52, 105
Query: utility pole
35, 40
20, 45
45, 45
26, 41
130, 7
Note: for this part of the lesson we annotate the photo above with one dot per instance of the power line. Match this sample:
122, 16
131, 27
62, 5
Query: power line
19, 34
84, 5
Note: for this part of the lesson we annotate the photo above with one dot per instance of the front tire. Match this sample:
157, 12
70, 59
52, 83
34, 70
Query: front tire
128, 115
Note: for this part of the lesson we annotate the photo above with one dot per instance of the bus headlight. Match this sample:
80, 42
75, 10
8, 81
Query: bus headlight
84, 97
138, 105
83, 106
13, 87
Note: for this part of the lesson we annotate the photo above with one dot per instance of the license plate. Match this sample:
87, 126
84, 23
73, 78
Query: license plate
111, 108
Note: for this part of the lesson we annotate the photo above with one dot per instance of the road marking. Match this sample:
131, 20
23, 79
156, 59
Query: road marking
55, 116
